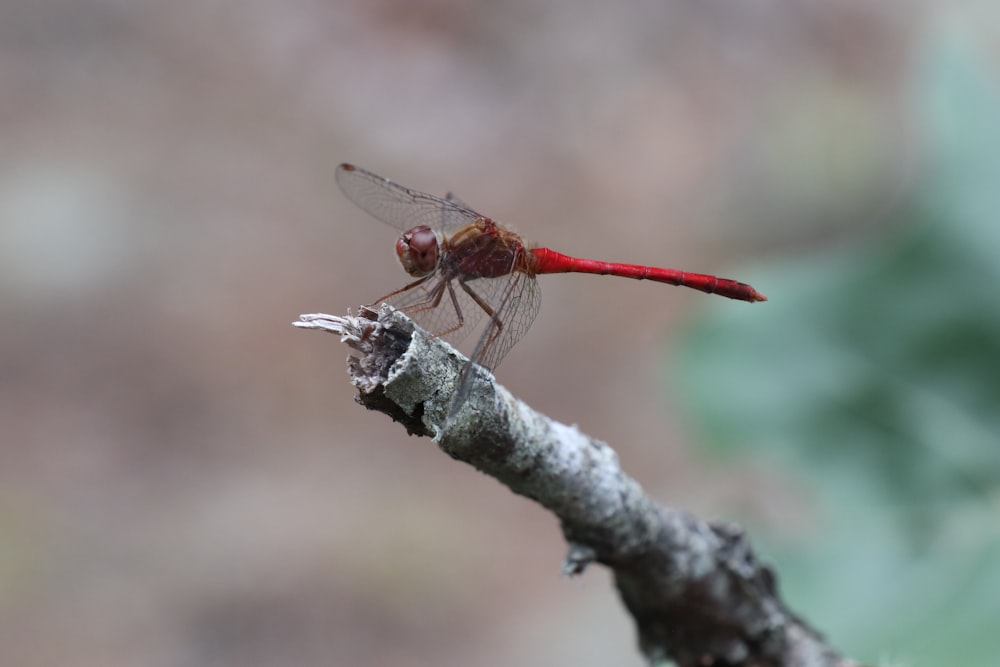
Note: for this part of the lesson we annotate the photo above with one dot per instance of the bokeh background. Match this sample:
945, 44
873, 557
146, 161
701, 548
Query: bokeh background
185, 478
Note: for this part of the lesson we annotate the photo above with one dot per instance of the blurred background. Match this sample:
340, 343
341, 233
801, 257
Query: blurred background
185, 479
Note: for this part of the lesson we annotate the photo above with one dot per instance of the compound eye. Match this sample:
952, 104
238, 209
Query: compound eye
417, 250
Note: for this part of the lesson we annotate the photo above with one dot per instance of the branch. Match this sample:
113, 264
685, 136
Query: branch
696, 590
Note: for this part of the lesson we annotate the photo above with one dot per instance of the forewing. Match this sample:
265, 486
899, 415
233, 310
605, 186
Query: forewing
400, 207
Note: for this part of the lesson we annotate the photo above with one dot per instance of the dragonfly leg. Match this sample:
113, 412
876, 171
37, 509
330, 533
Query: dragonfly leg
458, 310
431, 302
434, 301
496, 324
405, 288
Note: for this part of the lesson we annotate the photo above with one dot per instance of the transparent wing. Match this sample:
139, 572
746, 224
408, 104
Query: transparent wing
519, 300
398, 206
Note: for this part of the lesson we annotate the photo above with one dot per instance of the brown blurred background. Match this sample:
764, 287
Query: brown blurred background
185, 478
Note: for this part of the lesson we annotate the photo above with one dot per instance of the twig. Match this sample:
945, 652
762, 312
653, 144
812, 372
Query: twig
697, 592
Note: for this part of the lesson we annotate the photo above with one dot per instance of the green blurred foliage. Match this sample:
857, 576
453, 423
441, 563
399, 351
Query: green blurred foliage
872, 380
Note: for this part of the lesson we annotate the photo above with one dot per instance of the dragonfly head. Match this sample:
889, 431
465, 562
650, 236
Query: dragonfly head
418, 250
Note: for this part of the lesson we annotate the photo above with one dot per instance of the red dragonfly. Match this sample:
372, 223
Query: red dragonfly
467, 265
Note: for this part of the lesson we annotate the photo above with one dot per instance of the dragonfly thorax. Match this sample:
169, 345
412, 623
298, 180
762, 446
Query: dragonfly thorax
418, 251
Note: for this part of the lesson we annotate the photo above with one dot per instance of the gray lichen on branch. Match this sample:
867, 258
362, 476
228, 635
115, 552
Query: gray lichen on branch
697, 592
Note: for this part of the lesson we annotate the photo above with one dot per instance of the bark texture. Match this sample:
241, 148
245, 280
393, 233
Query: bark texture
697, 592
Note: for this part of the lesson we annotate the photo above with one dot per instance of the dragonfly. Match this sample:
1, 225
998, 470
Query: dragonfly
467, 266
